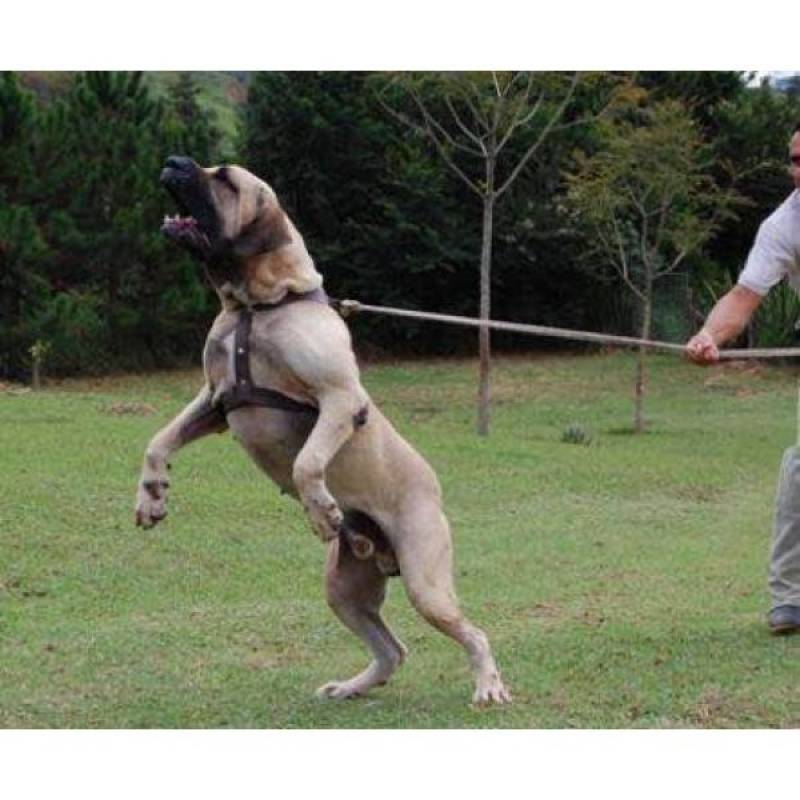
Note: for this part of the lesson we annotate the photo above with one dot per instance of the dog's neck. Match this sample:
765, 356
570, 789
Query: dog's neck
265, 278
269, 276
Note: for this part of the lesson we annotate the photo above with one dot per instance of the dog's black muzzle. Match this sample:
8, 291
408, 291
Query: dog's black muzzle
179, 170
198, 228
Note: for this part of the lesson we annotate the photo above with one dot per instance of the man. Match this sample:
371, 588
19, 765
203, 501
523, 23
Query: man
775, 255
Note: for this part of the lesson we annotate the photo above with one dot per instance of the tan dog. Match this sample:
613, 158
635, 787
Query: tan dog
370, 496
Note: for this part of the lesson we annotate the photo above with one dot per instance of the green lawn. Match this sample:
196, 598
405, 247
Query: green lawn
622, 584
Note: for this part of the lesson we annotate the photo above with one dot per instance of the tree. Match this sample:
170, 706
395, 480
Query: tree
191, 129
17, 130
103, 148
755, 128
22, 248
649, 202
702, 93
379, 212
21, 285
471, 119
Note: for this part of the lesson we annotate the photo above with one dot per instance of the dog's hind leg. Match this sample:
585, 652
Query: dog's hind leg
425, 556
355, 590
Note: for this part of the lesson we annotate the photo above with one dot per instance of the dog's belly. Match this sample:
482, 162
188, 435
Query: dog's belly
272, 438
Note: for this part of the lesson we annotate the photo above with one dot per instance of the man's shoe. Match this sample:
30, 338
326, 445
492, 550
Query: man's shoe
784, 619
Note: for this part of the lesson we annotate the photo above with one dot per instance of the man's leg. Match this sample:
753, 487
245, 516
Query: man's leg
784, 566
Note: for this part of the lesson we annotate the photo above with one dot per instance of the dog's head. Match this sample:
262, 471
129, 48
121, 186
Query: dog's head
232, 221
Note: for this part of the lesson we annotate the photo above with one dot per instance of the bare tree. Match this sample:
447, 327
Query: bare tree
471, 118
650, 202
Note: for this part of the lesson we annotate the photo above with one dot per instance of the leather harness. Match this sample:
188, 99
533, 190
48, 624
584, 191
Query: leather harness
361, 534
243, 392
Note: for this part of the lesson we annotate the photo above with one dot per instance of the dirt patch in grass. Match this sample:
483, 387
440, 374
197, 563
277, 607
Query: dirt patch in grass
551, 614
13, 388
697, 494
265, 659
130, 408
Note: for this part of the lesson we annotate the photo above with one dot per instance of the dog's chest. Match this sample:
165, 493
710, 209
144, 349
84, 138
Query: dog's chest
264, 362
273, 437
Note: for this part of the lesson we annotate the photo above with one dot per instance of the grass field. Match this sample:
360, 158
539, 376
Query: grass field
622, 584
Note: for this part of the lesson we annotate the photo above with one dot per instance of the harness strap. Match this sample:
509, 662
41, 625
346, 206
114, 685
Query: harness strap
315, 295
243, 392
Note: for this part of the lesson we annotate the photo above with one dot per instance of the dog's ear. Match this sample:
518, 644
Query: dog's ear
268, 231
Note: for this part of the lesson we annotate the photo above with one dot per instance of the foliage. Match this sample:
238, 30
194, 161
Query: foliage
754, 131
777, 318
703, 94
648, 197
386, 219
649, 201
192, 129
23, 290
17, 127
23, 287
479, 115
381, 218
576, 434
101, 265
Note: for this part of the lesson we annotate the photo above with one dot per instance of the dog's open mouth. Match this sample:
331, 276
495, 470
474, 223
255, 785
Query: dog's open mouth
193, 226
184, 227
186, 231
178, 226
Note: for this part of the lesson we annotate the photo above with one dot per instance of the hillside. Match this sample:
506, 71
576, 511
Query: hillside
222, 93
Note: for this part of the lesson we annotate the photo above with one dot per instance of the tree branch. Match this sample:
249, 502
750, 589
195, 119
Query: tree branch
427, 131
464, 129
542, 136
482, 121
496, 85
432, 122
517, 121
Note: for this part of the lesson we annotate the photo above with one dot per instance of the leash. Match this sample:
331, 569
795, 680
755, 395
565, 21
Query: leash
349, 307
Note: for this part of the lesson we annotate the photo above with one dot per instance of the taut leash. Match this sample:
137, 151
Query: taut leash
349, 307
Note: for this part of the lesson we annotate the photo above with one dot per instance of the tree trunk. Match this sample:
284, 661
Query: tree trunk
484, 343
641, 374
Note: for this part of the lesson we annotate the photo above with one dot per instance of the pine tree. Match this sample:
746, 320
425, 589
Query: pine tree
193, 130
106, 143
23, 287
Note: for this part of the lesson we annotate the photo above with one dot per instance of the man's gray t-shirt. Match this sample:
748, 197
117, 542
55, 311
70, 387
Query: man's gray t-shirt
776, 251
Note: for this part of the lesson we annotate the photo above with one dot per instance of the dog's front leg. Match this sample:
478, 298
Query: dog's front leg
342, 411
198, 419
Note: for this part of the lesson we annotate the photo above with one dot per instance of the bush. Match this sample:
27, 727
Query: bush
73, 325
777, 317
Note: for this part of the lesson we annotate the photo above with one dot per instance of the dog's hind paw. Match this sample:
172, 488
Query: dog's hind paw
374, 675
339, 690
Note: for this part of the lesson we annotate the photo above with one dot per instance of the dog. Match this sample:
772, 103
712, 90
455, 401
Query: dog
282, 377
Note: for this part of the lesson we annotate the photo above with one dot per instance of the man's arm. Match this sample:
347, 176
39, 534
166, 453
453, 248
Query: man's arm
726, 321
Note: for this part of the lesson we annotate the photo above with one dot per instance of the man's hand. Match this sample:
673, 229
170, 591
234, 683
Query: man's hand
726, 321
701, 349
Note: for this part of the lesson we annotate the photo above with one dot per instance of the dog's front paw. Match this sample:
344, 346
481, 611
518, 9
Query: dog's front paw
327, 520
151, 500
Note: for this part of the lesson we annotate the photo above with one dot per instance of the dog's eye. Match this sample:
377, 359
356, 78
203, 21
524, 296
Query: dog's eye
223, 177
